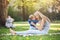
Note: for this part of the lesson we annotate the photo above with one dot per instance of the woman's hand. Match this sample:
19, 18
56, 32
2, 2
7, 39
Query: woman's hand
41, 25
39, 28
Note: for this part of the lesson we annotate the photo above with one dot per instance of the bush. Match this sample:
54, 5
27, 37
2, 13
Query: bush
14, 14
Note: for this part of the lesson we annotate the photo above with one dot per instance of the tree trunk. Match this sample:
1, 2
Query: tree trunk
24, 14
3, 11
23, 11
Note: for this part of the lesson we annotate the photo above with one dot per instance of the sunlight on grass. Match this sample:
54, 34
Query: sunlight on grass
19, 27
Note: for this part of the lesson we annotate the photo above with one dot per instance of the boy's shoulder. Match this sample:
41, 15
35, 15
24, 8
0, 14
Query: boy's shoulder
32, 20
29, 19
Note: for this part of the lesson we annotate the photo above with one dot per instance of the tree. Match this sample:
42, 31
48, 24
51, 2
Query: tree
25, 7
3, 11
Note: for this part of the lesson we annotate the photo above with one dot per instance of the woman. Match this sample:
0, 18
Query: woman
43, 21
44, 24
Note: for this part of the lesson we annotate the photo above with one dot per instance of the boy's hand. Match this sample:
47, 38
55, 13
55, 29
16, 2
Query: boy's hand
32, 23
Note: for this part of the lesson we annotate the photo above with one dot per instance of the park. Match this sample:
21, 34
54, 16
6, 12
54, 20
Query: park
20, 10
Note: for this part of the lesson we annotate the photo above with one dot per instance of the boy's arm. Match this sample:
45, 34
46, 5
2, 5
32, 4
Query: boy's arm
30, 22
33, 23
12, 19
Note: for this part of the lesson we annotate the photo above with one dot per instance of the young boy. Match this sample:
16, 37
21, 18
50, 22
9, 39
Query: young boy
32, 21
9, 22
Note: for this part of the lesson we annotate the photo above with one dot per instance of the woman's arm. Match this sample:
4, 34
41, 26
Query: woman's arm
40, 27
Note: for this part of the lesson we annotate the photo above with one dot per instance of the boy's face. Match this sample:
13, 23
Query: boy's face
9, 16
33, 18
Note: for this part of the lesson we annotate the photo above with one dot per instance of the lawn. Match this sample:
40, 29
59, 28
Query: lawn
4, 30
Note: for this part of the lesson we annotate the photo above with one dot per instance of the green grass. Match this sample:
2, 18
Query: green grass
45, 37
21, 22
4, 30
55, 26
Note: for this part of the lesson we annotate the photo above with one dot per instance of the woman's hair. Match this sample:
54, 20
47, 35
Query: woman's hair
42, 16
31, 16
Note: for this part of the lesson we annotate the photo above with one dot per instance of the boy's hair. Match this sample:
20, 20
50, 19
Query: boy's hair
31, 16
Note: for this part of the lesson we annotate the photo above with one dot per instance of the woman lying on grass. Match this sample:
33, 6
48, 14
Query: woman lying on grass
42, 28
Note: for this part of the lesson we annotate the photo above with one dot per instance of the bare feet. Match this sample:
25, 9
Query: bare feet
12, 32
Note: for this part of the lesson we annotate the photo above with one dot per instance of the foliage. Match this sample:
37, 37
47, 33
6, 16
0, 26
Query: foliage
14, 14
20, 8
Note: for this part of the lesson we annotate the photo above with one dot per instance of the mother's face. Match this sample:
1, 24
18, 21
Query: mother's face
37, 16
